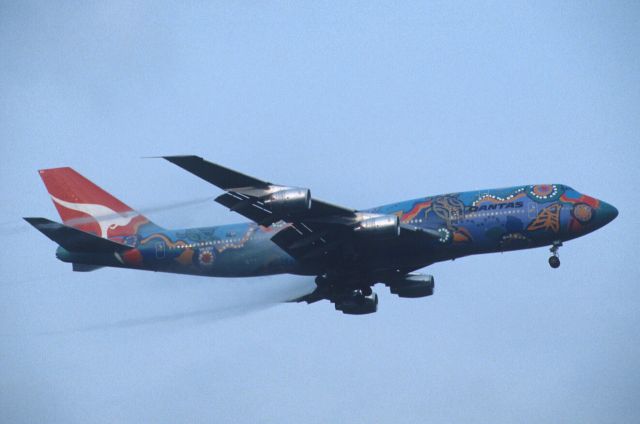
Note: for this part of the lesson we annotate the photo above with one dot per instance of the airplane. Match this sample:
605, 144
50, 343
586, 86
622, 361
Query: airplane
347, 251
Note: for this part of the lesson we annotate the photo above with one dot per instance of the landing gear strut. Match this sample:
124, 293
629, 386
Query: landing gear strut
554, 260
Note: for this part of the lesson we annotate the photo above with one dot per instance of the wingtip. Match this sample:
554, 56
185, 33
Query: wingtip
173, 158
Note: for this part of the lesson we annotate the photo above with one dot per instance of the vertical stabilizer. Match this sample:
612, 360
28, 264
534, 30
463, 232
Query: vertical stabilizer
85, 206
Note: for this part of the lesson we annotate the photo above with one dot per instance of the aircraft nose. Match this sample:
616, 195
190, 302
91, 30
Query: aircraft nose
607, 212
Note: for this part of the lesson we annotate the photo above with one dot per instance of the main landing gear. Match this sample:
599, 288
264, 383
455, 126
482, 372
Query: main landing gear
554, 260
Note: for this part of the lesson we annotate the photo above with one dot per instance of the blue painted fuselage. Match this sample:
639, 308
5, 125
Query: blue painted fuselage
468, 223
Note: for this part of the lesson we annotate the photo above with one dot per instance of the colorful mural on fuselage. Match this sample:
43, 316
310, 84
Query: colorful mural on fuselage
504, 219
235, 250
469, 223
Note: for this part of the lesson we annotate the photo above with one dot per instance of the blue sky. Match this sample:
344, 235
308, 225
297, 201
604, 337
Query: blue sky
365, 104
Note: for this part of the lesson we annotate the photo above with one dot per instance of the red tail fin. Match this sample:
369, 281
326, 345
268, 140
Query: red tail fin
85, 206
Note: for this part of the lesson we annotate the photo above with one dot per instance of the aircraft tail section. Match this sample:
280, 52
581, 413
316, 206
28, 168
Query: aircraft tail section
75, 240
85, 206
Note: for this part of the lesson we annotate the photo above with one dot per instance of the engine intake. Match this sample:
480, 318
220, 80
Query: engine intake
379, 227
289, 201
413, 285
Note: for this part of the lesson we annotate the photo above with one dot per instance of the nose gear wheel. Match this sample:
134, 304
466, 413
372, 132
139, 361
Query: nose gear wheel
554, 260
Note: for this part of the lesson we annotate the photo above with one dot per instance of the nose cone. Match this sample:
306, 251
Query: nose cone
607, 212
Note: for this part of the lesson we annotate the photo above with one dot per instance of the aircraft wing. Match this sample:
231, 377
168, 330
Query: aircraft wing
315, 227
244, 193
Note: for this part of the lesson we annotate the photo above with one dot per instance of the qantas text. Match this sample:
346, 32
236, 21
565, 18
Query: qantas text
493, 207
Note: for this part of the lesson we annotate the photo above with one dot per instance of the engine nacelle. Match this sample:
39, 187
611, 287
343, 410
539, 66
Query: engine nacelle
289, 201
358, 304
379, 227
413, 285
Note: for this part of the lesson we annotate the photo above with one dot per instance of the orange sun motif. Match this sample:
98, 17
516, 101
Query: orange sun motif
206, 257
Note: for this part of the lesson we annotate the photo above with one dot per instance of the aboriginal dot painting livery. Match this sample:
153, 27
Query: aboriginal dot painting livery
347, 251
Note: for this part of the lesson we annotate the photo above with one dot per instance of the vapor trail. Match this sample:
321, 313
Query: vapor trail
231, 306
259, 302
10, 228
159, 208
18, 226
213, 314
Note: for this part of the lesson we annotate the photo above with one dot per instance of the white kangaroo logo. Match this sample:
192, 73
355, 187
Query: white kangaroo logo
107, 218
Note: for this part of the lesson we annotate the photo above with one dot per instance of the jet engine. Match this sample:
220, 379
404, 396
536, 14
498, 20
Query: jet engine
413, 285
357, 303
379, 227
289, 200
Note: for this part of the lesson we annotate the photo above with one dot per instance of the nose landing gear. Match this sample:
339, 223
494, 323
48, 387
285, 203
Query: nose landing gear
554, 260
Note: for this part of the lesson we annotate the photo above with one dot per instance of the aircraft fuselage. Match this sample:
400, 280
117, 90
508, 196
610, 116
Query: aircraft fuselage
472, 222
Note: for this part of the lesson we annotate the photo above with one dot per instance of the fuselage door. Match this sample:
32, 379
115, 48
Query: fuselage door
160, 249
455, 215
533, 210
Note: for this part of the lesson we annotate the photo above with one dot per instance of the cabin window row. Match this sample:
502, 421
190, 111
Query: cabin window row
494, 213
207, 243
476, 215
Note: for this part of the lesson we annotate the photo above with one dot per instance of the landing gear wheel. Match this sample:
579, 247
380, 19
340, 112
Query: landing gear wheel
366, 291
554, 262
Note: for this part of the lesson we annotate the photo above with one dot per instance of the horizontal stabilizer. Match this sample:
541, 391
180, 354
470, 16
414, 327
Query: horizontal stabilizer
75, 240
